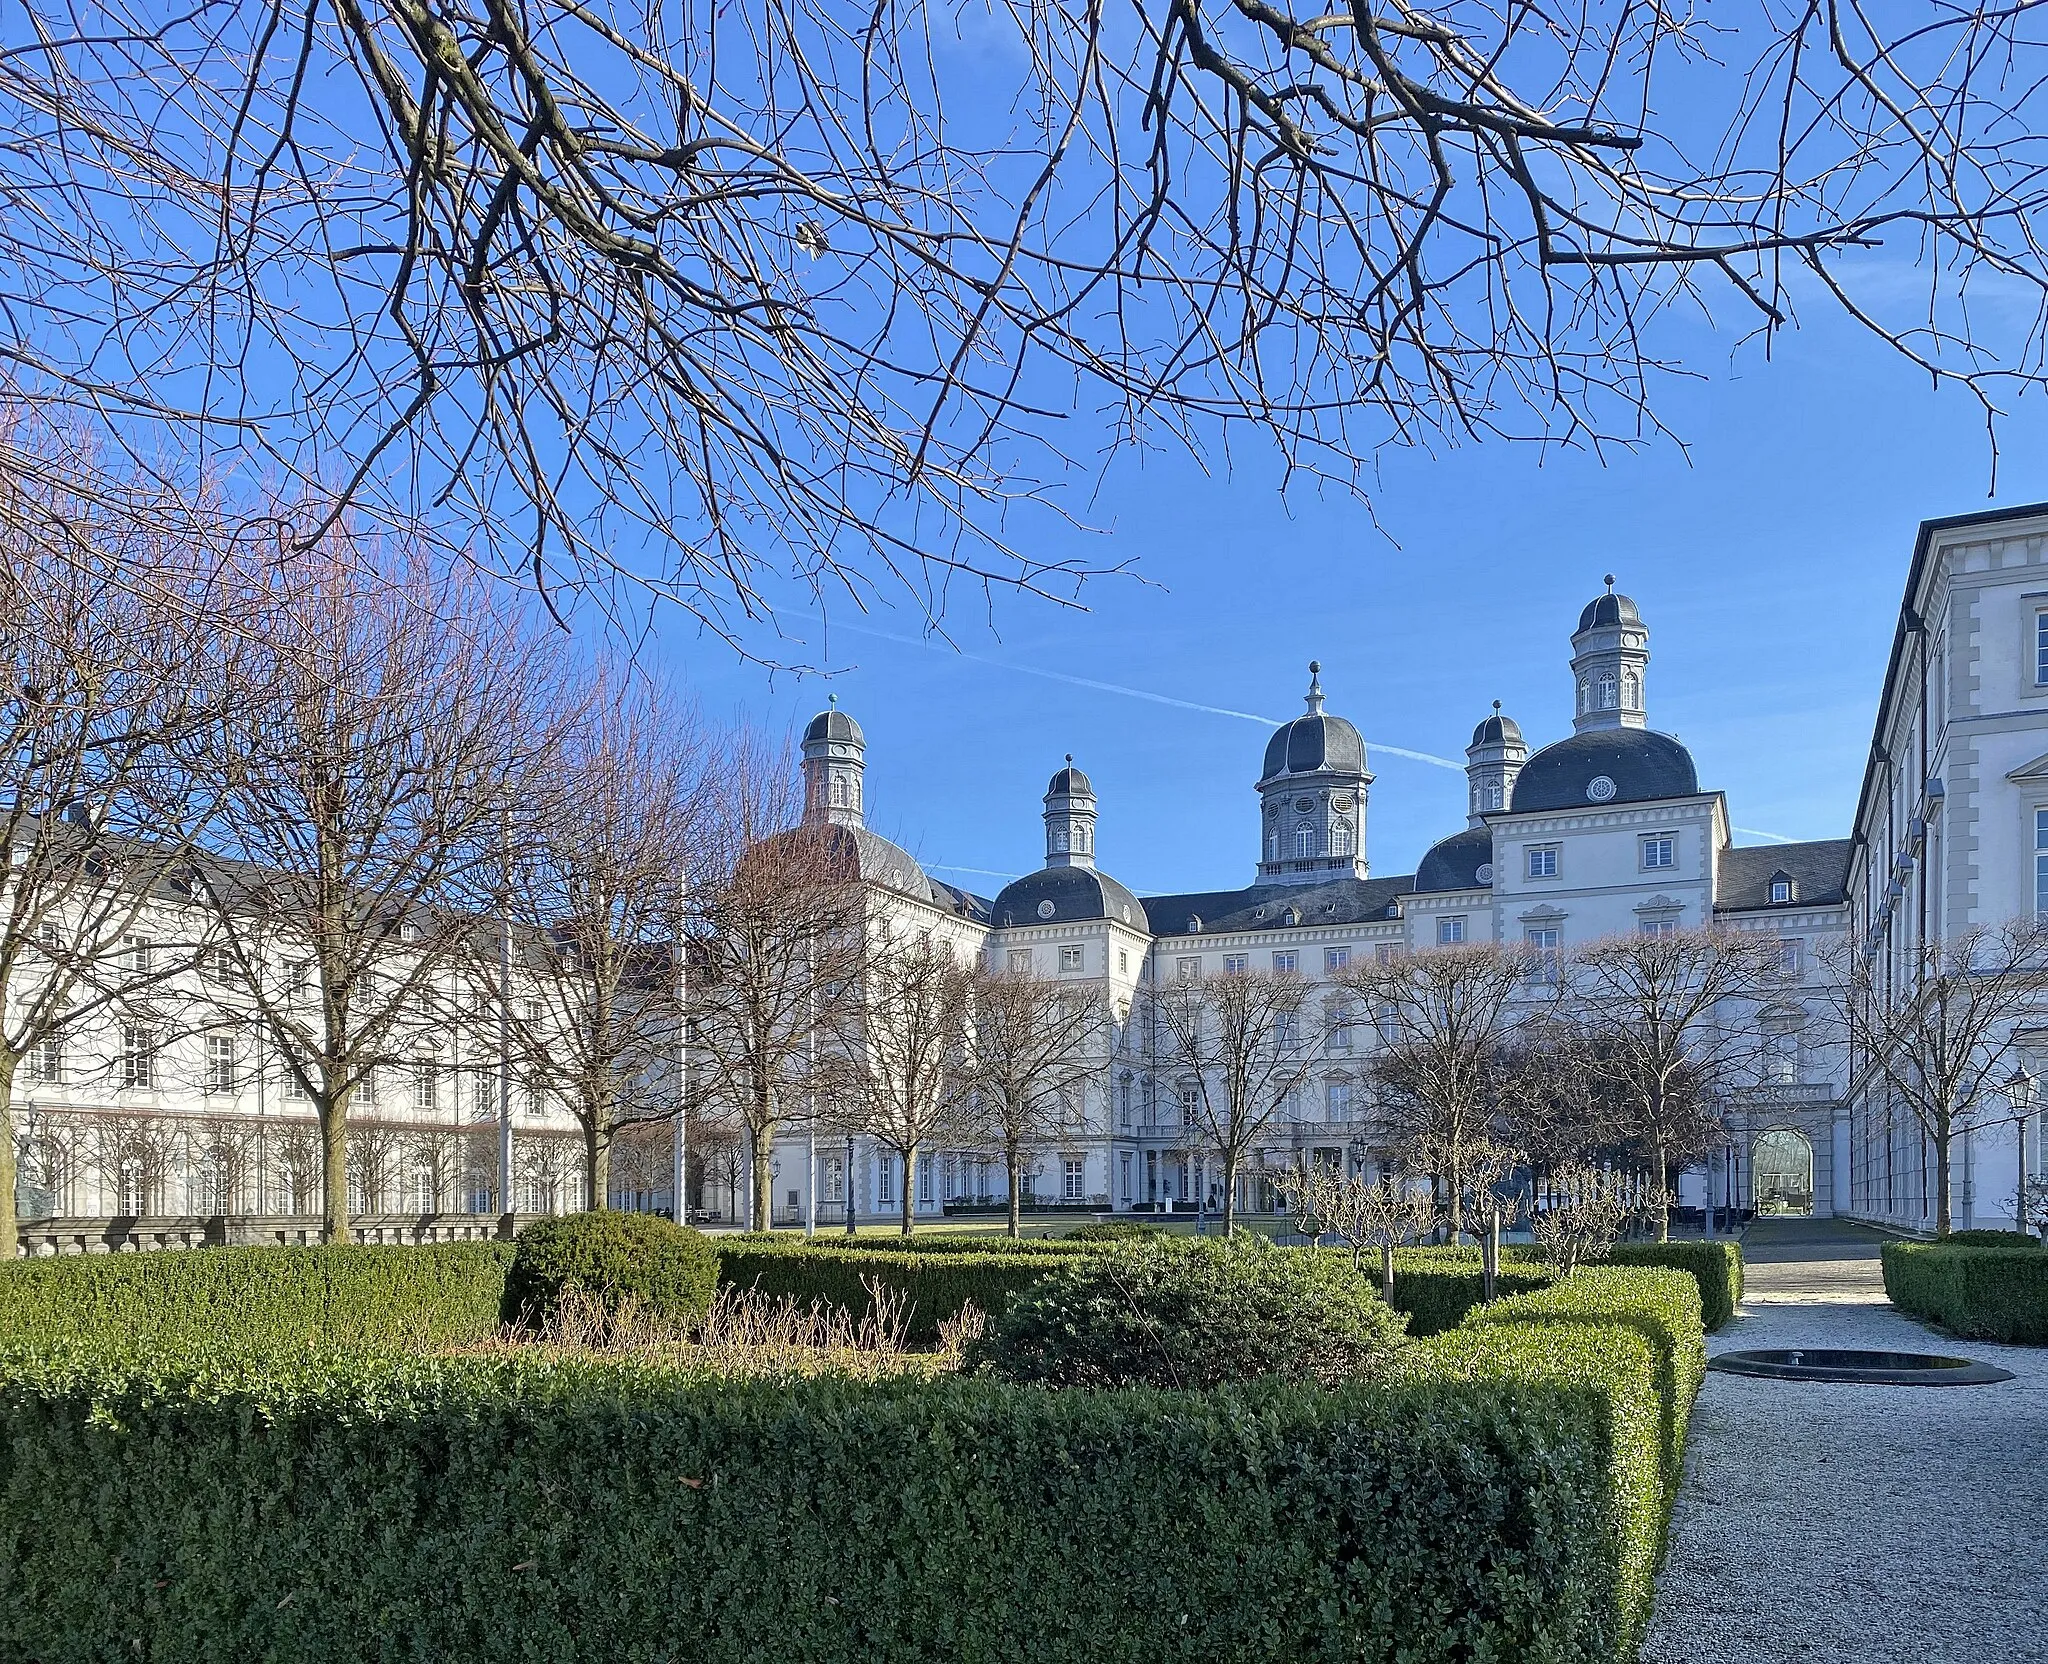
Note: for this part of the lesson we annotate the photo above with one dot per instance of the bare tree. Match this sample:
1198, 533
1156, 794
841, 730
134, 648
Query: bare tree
593, 898
805, 292
1382, 1212
778, 940
1584, 1210
1939, 1030
1032, 1043
1235, 1047
1442, 1021
899, 1055
104, 681
1669, 1021
367, 761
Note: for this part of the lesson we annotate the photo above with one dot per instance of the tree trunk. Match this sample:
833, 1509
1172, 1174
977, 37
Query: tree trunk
1943, 1219
1229, 1192
10, 1226
333, 1109
1663, 1196
909, 1209
1387, 1272
763, 1204
597, 1170
1013, 1158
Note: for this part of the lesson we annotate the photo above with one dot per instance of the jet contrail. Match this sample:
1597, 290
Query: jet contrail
1129, 692
1753, 832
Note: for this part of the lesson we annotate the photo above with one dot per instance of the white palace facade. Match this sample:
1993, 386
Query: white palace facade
1604, 831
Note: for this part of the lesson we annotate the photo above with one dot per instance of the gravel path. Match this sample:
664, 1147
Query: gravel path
1854, 1524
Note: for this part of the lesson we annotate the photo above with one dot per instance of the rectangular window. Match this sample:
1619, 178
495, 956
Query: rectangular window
2041, 649
1236, 964
426, 1088
1543, 863
1340, 1020
1336, 959
2041, 862
1123, 961
1781, 889
833, 1177
885, 1179
47, 1061
294, 1088
1073, 1180
924, 1184
1337, 1100
1658, 852
1286, 963
1542, 940
1124, 1176
298, 976
1450, 930
220, 1063
136, 951
1070, 959
138, 1058
1792, 957
1659, 927
1190, 969
1383, 952
1020, 961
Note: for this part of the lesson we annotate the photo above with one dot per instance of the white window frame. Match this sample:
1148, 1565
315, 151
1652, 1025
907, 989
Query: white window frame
1073, 1179
1541, 940
1020, 962
1450, 931
2041, 647
1792, 956
1663, 926
221, 1077
1542, 861
138, 1058
1189, 968
1781, 891
1235, 964
1286, 962
1336, 959
1663, 846
1071, 959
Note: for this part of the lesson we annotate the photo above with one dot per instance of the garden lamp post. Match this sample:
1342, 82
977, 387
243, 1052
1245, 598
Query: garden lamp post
2020, 1089
850, 1216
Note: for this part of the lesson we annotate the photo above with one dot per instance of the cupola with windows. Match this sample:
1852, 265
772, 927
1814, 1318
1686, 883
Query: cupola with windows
1492, 761
835, 758
1068, 887
1069, 818
1610, 657
1312, 797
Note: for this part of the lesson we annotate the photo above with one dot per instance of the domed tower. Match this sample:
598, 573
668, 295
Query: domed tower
1610, 653
1312, 797
1492, 761
1070, 819
835, 756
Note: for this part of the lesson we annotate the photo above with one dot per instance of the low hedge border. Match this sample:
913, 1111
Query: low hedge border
1439, 1287
1492, 1500
436, 1294
1716, 1266
932, 1242
1979, 1293
934, 1286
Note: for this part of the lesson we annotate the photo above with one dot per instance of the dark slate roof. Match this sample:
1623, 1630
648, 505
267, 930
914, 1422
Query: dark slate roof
1314, 742
1075, 893
1454, 862
1643, 764
878, 861
1819, 872
834, 724
964, 902
1264, 906
1498, 729
1070, 782
1609, 609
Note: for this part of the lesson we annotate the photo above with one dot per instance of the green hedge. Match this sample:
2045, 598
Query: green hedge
1488, 1502
1660, 1304
1438, 1287
667, 1270
1715, 1266
934, 1286
440, 1294
1981, 1293
932, 1242
1989, 1239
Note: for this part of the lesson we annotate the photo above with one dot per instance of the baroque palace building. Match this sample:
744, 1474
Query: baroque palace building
1606, 830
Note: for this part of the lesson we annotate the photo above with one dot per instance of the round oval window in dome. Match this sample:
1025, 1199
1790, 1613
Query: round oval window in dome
1600, 789
1045, 909
1485, 873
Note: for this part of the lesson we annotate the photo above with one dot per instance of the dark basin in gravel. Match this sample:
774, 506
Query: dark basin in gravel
1883, 1369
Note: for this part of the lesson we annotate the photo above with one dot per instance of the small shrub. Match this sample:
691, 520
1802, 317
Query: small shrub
1113, 1230
1980, 1293
1715, 1266
1988, 1239
1191, 1314
665, 1270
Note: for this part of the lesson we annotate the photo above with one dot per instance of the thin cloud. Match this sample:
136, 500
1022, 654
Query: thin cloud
1129, 693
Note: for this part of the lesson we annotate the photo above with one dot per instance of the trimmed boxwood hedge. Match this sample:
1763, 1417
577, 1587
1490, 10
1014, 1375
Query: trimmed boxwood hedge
1438, 1287
667, 1270
1716, 1266
264, 1298
1497, 1498
1981, 1293
934, 1286
1989, 1239
929, 1242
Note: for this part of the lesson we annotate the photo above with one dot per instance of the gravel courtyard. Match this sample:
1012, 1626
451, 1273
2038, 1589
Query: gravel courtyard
1860, 1525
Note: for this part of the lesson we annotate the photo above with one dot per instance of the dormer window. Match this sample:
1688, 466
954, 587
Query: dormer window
1783, 889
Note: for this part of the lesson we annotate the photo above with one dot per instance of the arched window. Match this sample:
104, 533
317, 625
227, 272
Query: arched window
1585, 697
1304, 842
838, 794
1340, 840
1059, 843
1631, 691
1273, 844
1609, 694
1489, 797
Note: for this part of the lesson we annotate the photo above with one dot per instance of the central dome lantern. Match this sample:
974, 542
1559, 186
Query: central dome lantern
1312, 797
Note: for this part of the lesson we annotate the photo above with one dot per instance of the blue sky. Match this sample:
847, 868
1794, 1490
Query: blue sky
1767, 557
